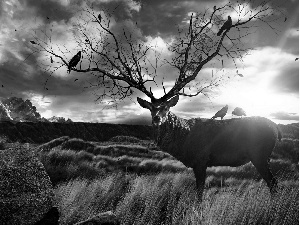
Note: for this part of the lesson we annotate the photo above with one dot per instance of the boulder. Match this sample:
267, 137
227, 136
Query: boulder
26, 193
106, 218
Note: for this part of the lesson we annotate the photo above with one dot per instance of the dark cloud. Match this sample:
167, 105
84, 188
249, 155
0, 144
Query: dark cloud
287, 81
54, 10
156, 18
285, 116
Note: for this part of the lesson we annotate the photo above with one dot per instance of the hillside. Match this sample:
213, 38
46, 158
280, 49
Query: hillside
41, 132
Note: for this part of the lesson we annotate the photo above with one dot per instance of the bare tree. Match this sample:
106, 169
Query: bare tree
120, 59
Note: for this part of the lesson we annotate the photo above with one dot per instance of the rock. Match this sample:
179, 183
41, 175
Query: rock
26, 192
106, 218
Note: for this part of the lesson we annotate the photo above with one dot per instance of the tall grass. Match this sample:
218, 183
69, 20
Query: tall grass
172, 199
143, 186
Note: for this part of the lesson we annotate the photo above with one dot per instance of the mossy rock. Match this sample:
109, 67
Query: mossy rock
26, 190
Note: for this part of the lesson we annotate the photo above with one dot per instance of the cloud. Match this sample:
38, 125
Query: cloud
269, 73
285, 116
292, 33
287, 81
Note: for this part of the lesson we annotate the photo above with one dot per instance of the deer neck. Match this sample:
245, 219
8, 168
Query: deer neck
170, 135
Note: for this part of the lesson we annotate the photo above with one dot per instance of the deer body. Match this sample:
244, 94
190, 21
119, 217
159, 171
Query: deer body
201, 144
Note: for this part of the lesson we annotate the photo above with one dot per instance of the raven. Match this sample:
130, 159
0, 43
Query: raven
221, 113
225, 26
74, 61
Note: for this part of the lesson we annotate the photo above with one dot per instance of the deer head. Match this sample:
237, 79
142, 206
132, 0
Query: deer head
158, 110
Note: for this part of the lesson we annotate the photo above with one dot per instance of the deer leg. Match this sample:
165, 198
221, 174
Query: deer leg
200, 175
263, 168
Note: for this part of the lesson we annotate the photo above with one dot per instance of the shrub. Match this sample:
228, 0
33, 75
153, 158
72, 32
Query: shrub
60, 157
76, 144
287, 149
150, 166
51, 144
84, 156
121, 138
104, 150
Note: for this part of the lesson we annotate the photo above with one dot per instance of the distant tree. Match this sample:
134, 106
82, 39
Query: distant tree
121, 60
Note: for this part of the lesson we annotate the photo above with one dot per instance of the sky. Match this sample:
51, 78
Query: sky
269, 86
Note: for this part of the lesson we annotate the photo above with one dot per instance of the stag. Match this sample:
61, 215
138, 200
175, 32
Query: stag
122, 61
200, 144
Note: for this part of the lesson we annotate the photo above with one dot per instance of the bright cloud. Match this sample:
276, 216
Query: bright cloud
255, 92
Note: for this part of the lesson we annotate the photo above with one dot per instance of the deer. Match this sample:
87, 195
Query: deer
200, 144
126, 62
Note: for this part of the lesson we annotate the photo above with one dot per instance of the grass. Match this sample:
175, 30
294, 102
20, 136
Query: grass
171, 199
144, 186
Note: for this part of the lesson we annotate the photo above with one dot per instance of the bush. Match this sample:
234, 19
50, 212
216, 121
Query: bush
54, 143
84, 156
129, 139
60, 157
287, 149
76, 144
104, 150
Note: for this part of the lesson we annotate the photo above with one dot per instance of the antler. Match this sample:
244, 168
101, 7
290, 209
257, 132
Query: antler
120, 61
198, 45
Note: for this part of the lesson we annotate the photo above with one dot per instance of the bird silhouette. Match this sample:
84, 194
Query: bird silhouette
238, 112
33, 42
99, 17
51, 59
74, 61
225, 26
221, 113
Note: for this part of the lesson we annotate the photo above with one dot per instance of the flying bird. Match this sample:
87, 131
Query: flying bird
75, 79
296, 59
221, 113
238, 112
33, 42
74, 61
225, 26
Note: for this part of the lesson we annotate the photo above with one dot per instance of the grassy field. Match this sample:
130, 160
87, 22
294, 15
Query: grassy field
145, 186
171, 199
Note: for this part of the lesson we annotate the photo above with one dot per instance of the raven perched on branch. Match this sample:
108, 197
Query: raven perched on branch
74, 61
225, 26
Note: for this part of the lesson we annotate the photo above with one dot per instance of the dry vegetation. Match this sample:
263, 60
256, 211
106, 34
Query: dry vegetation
171, 199
144, 186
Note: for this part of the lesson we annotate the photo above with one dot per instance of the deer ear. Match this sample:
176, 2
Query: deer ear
144, 103
173, 101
